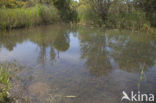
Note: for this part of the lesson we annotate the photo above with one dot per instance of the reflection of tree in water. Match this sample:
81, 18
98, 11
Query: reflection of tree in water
42, 55
132, 52
93, 49
61, 42
7, 42
43, 43
52, 55
54, 37
11, 38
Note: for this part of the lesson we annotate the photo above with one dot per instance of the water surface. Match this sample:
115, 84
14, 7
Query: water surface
88, 64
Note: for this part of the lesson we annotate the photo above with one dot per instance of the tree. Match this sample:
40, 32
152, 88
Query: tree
149, 6
67, 13
101, 7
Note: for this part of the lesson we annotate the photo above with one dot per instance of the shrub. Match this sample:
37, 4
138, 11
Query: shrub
126, 16
21, 17
87, 15
48, 14
11, 3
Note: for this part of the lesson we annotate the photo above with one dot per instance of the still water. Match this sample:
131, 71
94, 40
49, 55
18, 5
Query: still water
64, 64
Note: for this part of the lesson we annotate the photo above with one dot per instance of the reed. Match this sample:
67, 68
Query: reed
22, 17
4, 82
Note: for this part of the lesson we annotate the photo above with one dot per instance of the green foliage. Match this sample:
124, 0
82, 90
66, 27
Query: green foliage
21, 17
48, 14
126, 16
100, 7
114, 14
11, 3
67, 9
4, 82
86, 15
136, 14
22, 13
149, 6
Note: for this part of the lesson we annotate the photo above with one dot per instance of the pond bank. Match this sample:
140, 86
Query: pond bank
4, 83
24, 17
9, 81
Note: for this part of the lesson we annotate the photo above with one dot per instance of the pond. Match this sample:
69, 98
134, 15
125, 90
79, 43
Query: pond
76, 64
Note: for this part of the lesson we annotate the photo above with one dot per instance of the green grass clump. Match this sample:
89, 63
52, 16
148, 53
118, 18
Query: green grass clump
4, 82
22, 17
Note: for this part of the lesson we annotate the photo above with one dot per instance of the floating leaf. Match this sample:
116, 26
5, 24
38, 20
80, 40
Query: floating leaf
70, 96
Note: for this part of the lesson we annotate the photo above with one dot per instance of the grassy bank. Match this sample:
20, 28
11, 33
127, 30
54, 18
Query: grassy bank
4, 83
118, 14
22, 17
8, 78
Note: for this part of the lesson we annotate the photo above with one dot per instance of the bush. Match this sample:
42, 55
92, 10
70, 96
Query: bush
87, 15
48, 14
11, 3
122, 15
21, 17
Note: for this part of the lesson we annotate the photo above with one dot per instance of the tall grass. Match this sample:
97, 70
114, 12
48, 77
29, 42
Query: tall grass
21, 17
4, 82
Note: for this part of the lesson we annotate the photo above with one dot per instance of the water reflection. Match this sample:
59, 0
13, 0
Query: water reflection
93, 49
91, 64
56, 39
133, 52
102, 50
107, 50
